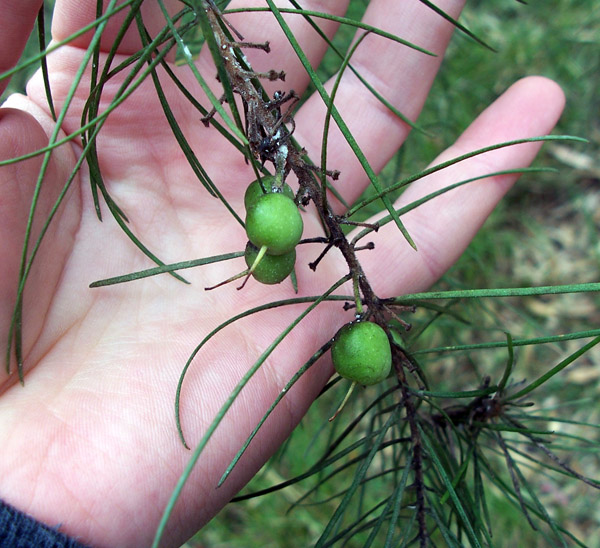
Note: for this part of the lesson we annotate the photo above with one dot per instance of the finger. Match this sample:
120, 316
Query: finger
402, 75
443, 227
18, 17
72, 15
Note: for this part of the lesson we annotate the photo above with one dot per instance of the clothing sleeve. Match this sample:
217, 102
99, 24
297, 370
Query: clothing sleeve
18, 530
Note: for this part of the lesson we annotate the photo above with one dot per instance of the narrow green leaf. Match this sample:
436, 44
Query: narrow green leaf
340, 122
496, 293
174, 125
509, 363
165, 268
512, 497
517, 342
448, 536
338, 19
358, 477
327, 121
458, 25
226, 406
126, 88
309, 18
194, 102
556, 369
536, 501
276, 401
394, 504
202, 18
506, 428
15, 330
35, 59
462, 158
320, 466
41, 25
91, 107
480, 495
448, 483
455, 395
217, 56
460, 474
354, 423
416, 203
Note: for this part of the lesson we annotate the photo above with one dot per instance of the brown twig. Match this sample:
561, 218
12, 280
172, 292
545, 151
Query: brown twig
269, 141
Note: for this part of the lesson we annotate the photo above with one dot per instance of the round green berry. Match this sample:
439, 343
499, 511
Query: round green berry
274, 221
255, 191
361, 352
272, 269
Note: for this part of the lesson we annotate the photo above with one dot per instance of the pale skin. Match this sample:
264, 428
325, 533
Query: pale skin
90, 442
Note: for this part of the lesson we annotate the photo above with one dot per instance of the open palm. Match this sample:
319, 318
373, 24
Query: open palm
90, 441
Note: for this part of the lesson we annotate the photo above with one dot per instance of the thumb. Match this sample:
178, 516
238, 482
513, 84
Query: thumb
16, 23
21, 134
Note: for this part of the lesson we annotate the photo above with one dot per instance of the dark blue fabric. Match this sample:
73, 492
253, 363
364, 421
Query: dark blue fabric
18, 530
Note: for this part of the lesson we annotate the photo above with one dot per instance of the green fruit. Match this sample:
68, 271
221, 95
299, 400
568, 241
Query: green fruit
255, 191
272, 269
274, 221
361, 352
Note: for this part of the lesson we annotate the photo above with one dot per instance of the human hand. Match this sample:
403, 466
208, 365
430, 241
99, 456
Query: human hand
90, 441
